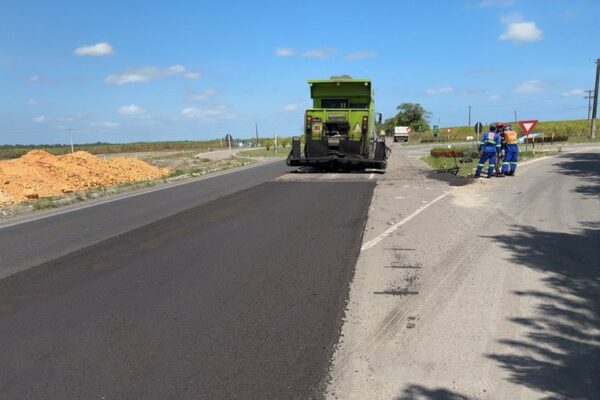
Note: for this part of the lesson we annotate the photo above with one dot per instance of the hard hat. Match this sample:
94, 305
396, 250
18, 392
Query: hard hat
508, 128
493, 127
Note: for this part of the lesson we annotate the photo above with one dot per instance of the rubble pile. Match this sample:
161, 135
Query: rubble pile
40, 174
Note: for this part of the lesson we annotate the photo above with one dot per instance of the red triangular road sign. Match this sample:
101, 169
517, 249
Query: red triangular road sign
528, 125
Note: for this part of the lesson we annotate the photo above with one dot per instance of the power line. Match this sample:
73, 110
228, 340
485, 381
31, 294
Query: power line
469, 115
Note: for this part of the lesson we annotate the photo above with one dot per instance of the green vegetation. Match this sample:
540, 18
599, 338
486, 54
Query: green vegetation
575, 130
409, 114
443, 163
15, 151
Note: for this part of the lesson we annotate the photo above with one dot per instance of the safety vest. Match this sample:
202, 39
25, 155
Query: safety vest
510, 137
489, 138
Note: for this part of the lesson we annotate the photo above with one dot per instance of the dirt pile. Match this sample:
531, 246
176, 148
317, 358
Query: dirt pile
39, 173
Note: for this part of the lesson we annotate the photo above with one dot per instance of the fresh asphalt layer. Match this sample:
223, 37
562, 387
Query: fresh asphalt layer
27, 243
237, 298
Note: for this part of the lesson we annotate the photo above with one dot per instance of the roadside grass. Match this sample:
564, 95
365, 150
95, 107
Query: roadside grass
584, 139
466, 169
578, 131
183, 154
257, 153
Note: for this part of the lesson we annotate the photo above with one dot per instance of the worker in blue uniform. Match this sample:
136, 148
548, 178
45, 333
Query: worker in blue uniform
489, 147
511, 151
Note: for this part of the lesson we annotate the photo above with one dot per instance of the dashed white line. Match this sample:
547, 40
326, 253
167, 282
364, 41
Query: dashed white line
397, 225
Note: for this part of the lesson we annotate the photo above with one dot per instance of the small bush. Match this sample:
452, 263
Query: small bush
548, 139
459, 151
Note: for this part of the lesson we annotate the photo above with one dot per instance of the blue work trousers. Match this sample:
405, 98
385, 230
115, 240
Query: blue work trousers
509, 164
490, 157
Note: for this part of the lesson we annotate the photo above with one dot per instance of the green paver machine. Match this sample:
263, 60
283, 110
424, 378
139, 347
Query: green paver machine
339, 130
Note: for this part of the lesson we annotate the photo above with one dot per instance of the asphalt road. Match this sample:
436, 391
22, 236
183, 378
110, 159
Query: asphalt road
238, 298
485, 290
234, 287
57, 232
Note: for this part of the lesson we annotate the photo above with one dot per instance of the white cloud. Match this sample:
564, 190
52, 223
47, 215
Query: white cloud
39, 119
440, 90
175, 69
574, 92
530, 86
131, 109
360, 54
284, 52
33, 102
219, 111
290, 107
496, 3
318, 53
494, 97
33, 78
95, 50
106, 124
192, 75
204, 95
520, 32
144, 74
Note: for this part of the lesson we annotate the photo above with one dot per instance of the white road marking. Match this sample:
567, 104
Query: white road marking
397, 225
399, 197
535, 160
371, 176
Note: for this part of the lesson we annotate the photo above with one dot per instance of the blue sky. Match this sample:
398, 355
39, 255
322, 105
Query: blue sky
122, 71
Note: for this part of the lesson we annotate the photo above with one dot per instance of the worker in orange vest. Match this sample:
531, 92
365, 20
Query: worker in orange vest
511, 151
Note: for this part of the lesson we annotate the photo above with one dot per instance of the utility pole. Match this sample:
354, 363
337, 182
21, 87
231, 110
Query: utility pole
589, 98
71, 138
516, 120
256, 129
595, 108
469, 115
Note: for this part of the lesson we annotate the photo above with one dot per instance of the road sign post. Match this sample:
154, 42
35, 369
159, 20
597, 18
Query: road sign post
527, 127
478, 129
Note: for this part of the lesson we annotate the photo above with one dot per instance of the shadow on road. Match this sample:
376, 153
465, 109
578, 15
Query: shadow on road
585, 166
414, 392
560, 354
449, 178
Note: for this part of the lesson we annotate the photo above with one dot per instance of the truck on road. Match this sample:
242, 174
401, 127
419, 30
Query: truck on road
340, 128
401, 133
